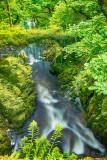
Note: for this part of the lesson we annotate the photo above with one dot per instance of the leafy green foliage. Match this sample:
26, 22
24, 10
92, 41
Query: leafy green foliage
80, 28
92, 34
57, 134
62, 16
20, 11
85, 7
85, 73
33, 147
33, 130
96, 69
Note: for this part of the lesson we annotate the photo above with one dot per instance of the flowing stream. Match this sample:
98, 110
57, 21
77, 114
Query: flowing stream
52, 108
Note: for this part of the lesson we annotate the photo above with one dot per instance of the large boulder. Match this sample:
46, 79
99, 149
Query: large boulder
17, 101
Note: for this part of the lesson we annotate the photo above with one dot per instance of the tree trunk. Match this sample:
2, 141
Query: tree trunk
103, 6
8, 8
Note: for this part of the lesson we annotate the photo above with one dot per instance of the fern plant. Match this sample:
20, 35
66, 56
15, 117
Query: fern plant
29, 143
35, 148
57, 134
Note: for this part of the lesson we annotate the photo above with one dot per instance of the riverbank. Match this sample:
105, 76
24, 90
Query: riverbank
17, 99
77, 79
81, 66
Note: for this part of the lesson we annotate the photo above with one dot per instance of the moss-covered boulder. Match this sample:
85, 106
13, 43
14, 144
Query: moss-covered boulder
96, 107
17, 101
104, 105
56, 68
97, 116
5, 143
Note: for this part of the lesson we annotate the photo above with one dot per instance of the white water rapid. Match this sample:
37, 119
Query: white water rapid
53, 108
58, 112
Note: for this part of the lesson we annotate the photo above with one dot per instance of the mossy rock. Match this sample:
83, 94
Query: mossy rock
73, 95
5, 146
18, 121
56, 69
17, 102
104, 135
11, 105
30, 104
52, 70
5, 143
91, 120
98, 123
102, 120
93, 106
16, 91
85, 95
104, 105
67, 74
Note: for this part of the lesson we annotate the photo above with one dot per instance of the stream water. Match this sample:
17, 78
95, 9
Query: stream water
52, 108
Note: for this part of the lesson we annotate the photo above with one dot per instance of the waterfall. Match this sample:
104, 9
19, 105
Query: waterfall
51, 110
81, 135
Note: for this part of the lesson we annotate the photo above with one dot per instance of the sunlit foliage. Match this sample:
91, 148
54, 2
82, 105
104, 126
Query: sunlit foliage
78, 55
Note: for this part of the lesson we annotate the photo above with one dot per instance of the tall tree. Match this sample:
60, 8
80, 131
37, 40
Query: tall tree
10, 18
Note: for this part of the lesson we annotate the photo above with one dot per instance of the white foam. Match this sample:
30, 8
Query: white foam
32, 59
78, 147
45, 96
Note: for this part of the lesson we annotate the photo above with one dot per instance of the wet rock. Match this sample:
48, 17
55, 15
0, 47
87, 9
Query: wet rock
23, 55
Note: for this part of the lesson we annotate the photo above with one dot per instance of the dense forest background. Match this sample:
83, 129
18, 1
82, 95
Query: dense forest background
76, 39
43, 13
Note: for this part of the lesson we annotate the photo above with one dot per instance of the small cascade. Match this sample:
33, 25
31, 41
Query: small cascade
11, 134
51, 110
15, 139
81, 134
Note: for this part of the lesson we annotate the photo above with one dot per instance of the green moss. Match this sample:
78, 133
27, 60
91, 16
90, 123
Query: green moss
56, 68
85, 94
104, 104
73, 95
30, 104
17, 102
19, 120
97, 116
5, 144
16, 91
91, 120
93, 106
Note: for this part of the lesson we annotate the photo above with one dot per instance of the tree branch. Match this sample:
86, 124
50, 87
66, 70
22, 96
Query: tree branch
84, 14
101, 3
